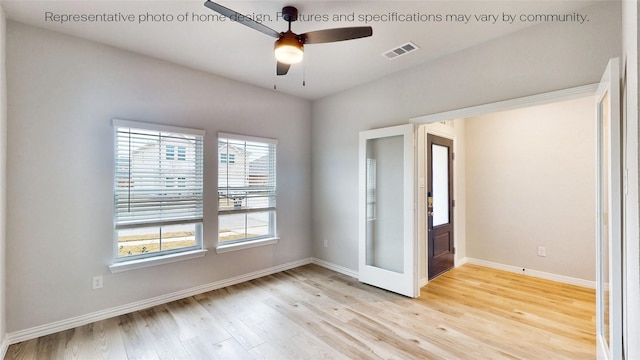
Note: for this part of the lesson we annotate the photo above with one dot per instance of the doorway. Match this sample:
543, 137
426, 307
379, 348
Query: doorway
608, 197
513, 171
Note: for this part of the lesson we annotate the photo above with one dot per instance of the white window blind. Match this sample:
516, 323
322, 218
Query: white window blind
246, 174
246, 187
158, 174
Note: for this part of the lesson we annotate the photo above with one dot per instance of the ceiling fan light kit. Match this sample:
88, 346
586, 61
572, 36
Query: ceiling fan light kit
289, 49
289, 46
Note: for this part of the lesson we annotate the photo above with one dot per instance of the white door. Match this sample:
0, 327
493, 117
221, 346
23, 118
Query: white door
387, 244
609, 239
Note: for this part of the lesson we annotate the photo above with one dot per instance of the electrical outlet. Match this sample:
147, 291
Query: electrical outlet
542, 251
97, 282
326, 243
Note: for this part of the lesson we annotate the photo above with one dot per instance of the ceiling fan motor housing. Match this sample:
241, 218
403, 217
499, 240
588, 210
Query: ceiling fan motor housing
291, 39
289, 13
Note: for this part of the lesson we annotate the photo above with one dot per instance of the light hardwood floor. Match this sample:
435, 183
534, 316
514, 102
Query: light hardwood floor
311, 313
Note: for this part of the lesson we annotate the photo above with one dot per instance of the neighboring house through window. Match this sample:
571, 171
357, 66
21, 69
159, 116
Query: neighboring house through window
246, 188
170, 152
158, 195
227, 158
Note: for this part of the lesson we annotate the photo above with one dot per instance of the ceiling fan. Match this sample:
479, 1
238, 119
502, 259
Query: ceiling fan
289, 46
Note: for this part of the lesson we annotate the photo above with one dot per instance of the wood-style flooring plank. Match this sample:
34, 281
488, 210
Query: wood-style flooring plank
25, 350
311, 312
161, 332
222, 306
100, 340
135, 339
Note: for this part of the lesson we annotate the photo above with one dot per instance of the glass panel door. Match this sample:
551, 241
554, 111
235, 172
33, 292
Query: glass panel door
608, 216
387, 246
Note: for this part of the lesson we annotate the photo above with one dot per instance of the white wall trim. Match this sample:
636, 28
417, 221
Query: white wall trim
533, 100
156, 260
4, 346
221, 249
334, 267
534, 273
441, 130
47, 329
459, 262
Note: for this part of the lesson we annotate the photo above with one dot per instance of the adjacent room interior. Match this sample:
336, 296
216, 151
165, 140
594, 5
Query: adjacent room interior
514, 172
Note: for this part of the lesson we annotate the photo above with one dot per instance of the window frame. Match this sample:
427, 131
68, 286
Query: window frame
122, 263
271, 237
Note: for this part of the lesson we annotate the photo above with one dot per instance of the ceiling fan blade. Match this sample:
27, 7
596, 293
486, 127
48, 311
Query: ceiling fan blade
242, 19
282, 68
339, 34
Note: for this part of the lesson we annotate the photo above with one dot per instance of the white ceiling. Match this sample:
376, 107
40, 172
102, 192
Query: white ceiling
238, 52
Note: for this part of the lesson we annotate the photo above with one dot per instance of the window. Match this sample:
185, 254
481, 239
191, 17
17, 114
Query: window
158, 198
246, 188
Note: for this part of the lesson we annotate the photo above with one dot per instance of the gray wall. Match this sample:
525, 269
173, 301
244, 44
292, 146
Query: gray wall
531, 181
540, 59
62, 94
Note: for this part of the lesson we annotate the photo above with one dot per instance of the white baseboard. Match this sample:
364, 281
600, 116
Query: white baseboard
461, 261
334, 267
4, 346
534, 273
47, 329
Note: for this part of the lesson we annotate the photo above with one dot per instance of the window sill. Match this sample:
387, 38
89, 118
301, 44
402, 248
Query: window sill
246, 245
154, 261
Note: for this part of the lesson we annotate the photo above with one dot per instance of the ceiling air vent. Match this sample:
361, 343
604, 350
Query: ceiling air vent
400, 51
